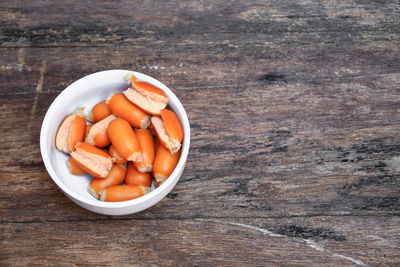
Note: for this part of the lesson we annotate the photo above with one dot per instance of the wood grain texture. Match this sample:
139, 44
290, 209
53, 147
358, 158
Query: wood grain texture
132, 23
294, 111
328, 241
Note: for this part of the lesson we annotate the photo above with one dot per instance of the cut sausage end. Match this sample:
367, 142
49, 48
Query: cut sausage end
172, 125
145, 189
94, 163
102, 195
80, 112
147, 168
63, 134
174, 146
148, 101
146, 122
116, 157
163, 136
93, 193
160, 178
135, 157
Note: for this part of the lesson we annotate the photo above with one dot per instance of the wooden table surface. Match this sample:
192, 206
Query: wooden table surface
295, 115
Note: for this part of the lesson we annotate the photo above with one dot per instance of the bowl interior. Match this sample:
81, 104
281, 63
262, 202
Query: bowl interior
87, 92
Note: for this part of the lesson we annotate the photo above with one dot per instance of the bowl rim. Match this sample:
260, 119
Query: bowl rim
44, 132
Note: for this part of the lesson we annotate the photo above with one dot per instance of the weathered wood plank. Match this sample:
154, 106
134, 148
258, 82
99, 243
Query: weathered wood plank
119, 22
295, 131
211, 66
328, 241
271, 150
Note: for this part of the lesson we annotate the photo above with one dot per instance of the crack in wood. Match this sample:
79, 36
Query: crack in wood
42, 70
179, 218
271, 233
38, 90
21, 58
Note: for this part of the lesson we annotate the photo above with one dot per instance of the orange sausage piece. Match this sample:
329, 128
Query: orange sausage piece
71, 131
121, 107
116, 157
123, 192
74, 169
78, 129
92, 160
147, 148
140, 85
101, 139
146, 96
158, 126
169, 130
124, 140
116, 177
172, 125
164, 164
99, 112
97, 134
133, 176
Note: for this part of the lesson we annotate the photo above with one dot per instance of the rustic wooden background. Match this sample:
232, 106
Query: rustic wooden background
295, 114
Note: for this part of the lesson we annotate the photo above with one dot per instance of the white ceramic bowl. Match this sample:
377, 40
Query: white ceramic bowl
86, 92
